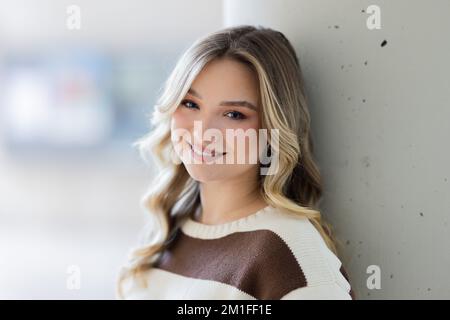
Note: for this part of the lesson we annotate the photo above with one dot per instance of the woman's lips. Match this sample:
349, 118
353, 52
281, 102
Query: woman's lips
201, 154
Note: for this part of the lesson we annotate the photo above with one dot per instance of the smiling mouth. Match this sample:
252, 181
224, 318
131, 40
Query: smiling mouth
206, 154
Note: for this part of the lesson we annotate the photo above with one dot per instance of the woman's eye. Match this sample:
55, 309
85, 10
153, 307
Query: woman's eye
235, 115
189, 104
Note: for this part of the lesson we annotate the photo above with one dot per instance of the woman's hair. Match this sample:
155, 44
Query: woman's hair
295, 187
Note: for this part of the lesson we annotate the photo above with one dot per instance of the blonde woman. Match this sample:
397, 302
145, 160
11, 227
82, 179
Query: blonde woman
222, 228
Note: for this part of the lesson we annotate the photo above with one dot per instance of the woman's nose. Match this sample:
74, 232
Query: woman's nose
204, 132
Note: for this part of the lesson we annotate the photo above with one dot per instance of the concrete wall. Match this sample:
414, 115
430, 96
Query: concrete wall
380, 121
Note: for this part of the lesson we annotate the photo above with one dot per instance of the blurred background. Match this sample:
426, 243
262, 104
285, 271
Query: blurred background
73, 100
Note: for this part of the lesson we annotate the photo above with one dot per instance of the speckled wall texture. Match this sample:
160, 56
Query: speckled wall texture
380, 106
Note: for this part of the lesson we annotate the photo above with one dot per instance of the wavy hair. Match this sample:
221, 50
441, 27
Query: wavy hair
295, 187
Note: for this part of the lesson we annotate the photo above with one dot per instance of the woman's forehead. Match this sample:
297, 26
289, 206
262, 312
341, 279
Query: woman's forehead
226, 79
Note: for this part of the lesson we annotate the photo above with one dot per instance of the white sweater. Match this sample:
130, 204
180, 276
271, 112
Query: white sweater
266, 255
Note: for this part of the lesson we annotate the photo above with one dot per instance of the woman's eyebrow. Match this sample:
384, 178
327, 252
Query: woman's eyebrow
239, 103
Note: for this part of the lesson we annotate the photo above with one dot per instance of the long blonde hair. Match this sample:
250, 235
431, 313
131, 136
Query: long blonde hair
295, 187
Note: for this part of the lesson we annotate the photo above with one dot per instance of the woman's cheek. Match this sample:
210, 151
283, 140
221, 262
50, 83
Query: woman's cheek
180, 119
249, 128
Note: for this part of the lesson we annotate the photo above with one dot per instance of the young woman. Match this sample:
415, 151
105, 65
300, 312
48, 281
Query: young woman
223, 228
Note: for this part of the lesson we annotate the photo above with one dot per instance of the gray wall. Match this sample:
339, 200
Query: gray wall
380, 129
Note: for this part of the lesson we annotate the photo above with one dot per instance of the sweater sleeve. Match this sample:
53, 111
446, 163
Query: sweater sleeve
320, 292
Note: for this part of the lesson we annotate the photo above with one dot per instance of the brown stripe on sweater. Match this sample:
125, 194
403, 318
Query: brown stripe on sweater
257, 262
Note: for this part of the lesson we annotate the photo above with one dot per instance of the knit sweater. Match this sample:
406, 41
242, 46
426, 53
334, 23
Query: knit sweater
266, 255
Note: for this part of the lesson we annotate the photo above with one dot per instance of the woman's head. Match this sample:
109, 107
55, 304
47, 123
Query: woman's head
241, 63
245, 63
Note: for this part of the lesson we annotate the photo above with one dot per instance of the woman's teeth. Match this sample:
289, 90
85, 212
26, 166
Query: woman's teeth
204, 154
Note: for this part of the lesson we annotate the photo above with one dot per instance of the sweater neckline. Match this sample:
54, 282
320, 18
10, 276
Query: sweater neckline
194, 228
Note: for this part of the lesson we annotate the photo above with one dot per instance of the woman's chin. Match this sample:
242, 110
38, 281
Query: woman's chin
204, 172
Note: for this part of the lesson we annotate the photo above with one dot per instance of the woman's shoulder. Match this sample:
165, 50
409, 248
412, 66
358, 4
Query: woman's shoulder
318, 266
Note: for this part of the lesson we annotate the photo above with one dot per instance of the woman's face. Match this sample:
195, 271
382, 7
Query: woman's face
223, 98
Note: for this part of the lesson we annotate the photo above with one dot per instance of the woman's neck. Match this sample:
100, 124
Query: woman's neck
222, 202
